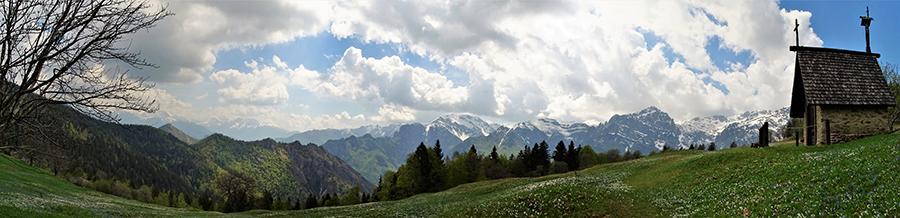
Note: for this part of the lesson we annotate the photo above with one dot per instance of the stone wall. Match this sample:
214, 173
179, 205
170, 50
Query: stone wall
851, 120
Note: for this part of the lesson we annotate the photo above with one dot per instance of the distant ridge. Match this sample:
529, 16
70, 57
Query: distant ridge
647, 130
178, 133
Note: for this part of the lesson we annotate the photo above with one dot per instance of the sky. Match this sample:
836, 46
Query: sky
303, 65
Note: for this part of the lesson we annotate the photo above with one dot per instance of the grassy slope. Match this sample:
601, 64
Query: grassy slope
29, 192
857, 178
853, 179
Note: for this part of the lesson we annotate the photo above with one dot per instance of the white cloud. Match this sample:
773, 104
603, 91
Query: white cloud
394, 113
259, 87
376, 82
522, 59
203, 96
185, 45
264, 84
581, 60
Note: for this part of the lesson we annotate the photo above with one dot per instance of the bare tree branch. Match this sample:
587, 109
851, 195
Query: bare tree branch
52, 53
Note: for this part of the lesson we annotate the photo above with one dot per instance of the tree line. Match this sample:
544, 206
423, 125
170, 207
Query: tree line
428, 170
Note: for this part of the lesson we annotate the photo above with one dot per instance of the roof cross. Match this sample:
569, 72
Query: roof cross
796, 33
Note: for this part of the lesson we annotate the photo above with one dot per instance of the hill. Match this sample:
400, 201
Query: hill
851, 179
26, 191
192, 129
178, 133
143, 155
286, 169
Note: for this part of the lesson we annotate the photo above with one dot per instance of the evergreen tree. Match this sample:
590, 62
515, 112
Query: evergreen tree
437, 150
542, 156
573, 159
205, 200
422, 180
702, 147
712, 146
528, 159
311, 202
297, 205
560, 154
494, 156
733, 145
692, 147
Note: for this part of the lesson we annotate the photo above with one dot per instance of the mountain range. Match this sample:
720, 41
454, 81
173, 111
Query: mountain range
647, 130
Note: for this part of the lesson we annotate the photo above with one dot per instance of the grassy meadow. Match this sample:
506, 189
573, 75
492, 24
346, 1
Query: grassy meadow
854, 179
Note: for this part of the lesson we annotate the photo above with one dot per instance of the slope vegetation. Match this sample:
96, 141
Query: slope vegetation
286, 169
27, 191
858, 178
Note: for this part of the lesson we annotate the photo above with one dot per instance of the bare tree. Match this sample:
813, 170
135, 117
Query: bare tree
893, 80
53, 52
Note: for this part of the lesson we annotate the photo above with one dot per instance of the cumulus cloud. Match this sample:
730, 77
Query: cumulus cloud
587, 60
184, 45
264, 84
522, 59
375, 82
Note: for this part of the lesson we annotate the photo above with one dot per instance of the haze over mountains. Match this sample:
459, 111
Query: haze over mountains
372, 150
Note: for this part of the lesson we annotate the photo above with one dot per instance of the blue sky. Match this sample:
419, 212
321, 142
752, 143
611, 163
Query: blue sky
302, 65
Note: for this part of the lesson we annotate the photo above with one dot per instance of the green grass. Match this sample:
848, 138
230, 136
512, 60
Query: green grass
26, 191
855, 179
858, 178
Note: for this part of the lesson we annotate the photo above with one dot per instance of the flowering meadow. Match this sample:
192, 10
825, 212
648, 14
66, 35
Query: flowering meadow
854, 179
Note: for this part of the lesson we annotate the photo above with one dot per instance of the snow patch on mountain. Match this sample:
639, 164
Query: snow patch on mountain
462, 126
738, 128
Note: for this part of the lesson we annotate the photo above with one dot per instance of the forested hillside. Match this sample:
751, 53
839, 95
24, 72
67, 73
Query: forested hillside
288, 170
123, 159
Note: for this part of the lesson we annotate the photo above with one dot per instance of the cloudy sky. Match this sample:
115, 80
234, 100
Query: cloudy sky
302, 65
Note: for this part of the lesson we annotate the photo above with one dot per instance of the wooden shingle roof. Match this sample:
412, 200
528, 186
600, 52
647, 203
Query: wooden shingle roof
839, 77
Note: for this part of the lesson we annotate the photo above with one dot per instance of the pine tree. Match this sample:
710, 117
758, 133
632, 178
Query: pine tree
712, 146
692, 147
573, 159
560, 154
494, 156
423, 179
733, 145
437, 150
702, 147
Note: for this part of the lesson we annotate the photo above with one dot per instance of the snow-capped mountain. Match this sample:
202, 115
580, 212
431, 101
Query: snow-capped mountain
647, 130
740, 128
462, 126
